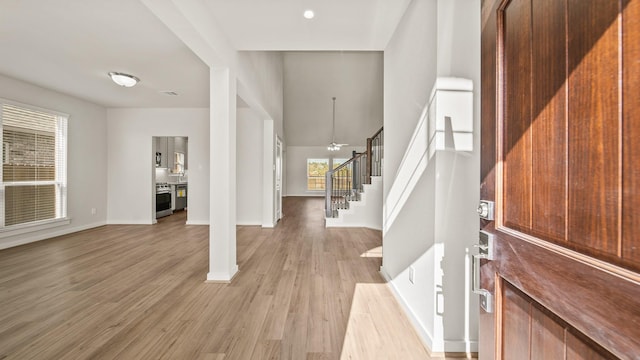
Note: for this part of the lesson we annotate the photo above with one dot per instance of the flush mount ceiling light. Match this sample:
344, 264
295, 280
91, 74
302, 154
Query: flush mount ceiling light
122, 79
308, 14
333, 146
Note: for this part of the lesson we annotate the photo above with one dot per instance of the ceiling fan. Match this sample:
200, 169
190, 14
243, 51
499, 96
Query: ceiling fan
334, 146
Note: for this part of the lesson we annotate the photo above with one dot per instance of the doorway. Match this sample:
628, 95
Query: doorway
170, 175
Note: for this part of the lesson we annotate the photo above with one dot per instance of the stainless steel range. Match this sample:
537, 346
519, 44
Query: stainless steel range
163, 200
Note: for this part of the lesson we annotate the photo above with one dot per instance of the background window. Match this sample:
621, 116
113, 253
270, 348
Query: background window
33, 186
343, 178
316, 170
338, 162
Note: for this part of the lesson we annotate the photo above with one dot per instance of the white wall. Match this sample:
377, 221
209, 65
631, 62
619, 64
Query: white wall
249, 168
262, 72
409, 72
437, 225
131, 167
311, 79
296, 166
87, 157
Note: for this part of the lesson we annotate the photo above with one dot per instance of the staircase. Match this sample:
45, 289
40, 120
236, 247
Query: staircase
353, 195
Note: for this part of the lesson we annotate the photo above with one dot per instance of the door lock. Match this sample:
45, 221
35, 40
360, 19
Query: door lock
485, 251
486, 210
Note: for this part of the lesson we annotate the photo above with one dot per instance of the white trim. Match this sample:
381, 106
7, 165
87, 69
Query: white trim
35, 108
34, 226
248, 223
425, 337
223, 278
197, 222
309, 194
49, 235
129, 222
423, 334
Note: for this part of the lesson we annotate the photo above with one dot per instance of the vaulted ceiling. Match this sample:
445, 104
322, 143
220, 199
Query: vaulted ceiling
70, 46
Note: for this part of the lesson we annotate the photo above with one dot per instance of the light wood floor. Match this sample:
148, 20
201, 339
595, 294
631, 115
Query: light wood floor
138, 292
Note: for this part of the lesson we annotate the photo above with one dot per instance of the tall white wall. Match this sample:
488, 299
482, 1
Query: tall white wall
249, 167
296, 165
131, 167
437, 226
87, 157
262, 74
311, 79
409, 72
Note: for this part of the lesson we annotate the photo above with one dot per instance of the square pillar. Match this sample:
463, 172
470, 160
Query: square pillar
222, 203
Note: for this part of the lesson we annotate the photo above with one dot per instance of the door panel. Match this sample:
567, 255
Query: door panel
531, 332
515, 325
561, 124
547, 336
560, 128
517, 168
631, 132
593, 126
549, 123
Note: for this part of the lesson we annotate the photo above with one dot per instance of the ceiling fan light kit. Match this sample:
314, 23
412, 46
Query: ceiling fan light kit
333, 146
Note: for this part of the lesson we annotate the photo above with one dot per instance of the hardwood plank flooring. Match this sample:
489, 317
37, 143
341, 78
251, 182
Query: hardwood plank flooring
138, 292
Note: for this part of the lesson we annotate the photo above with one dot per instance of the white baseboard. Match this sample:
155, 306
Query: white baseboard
248, 223
129, 222
197, 222
49, 235
222, 278
307, 195
427, 339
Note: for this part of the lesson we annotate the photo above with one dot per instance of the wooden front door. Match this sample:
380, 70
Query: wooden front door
561, 160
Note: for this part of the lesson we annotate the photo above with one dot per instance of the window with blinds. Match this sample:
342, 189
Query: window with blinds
34, 185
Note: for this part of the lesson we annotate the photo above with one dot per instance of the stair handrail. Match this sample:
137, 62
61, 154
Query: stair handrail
375, 154
341, 189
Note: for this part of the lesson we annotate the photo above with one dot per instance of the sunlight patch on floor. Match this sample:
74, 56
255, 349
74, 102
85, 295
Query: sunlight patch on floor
372, 253
377, 328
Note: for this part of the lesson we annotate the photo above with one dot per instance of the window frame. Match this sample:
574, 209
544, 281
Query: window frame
61, 153
324, 187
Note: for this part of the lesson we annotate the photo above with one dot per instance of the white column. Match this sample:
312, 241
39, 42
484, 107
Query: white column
222, 198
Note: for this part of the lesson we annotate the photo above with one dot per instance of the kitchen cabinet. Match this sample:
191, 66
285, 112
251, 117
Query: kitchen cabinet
161, 147
181, 146
178, 145
170, 151
168, 146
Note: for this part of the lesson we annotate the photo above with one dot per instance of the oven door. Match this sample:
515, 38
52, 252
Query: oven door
163, 204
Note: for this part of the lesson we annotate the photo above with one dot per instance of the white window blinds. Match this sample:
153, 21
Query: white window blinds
34, 172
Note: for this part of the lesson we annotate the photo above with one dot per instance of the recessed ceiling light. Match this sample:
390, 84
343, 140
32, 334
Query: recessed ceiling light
309, 14
123, 79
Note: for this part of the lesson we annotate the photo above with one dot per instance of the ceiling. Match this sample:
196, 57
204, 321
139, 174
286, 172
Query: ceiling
279, 24
71, 45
